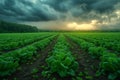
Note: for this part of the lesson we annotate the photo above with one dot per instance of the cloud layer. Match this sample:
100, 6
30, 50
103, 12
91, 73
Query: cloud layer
104, 11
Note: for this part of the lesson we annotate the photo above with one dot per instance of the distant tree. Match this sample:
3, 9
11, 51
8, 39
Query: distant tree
14, 27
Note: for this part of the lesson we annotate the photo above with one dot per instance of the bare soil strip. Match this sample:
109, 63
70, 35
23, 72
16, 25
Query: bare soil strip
26, 71
87, 65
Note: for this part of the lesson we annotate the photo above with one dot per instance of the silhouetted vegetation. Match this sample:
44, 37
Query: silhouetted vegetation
14, 27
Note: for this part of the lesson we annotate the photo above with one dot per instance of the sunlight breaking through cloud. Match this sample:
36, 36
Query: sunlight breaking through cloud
81, 12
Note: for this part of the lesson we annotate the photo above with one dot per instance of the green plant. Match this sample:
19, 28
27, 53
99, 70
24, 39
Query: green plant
7, 66
96, 52
89, 77
78, 78
62, 64
110, 63
35, 76
9, 62
34, 71
61, 61
81, 74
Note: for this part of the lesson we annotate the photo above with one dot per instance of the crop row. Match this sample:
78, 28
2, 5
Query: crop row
11, 61
61, 60
109, 41
14, 41
109, 62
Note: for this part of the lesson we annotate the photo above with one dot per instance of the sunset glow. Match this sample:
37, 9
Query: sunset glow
63, 14
83, 26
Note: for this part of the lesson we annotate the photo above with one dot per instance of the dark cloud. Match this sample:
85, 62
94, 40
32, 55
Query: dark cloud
50, 10
104, 5
45, 10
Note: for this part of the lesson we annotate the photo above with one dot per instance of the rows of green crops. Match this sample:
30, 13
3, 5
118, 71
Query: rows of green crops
61, 60
13, 41
11, 61
17, 48
111, 41
98, 45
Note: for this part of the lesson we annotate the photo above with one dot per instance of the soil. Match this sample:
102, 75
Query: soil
87, 65
25, 70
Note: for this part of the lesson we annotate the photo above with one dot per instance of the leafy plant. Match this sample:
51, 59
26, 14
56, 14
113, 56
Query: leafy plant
110, 63
7, 66
35, 70
63, 65
10, 62
61, 61
96, 52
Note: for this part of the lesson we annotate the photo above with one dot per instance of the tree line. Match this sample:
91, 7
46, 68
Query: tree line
14, 27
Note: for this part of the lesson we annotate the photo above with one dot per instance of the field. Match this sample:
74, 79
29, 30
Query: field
60, 56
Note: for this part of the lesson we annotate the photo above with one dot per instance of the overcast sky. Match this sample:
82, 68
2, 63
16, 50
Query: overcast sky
63, 14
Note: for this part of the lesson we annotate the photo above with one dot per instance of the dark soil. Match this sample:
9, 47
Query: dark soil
87, 65
26, 71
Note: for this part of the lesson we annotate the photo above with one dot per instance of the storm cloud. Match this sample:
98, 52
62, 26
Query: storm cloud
104, 11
